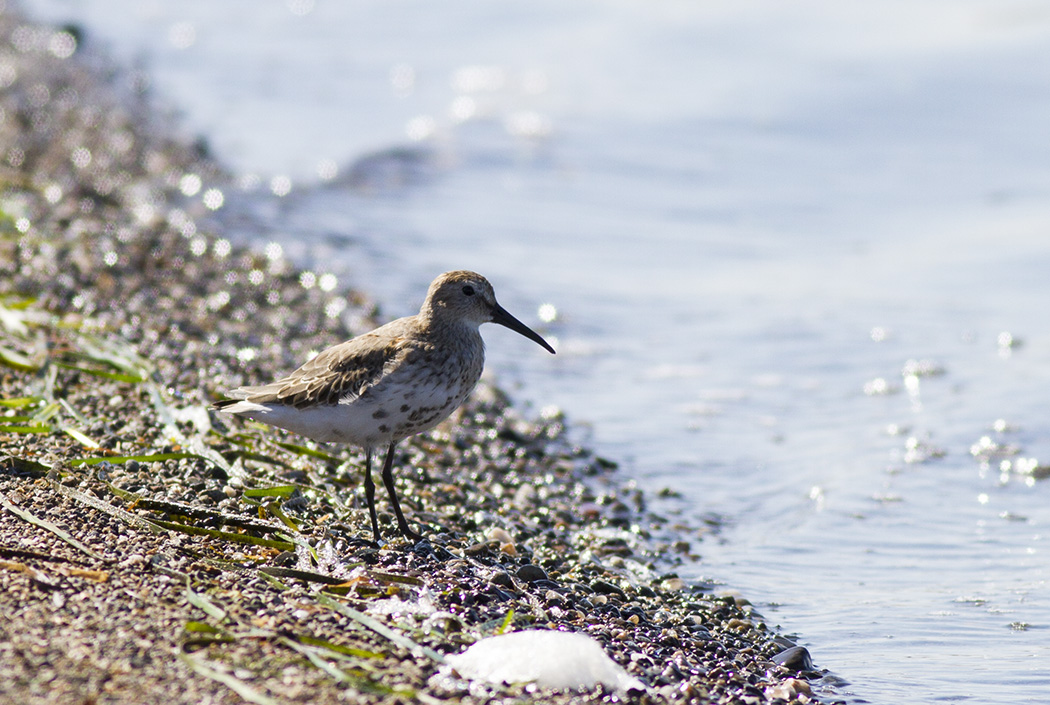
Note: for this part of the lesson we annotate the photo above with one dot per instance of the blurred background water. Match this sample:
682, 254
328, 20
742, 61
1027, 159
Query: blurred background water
793, 255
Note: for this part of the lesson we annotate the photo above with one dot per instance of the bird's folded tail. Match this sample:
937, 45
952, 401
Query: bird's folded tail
237, 403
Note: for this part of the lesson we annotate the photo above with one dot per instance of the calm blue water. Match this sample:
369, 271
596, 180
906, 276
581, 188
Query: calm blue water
750, 217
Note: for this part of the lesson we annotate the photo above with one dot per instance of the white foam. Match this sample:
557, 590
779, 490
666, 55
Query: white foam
549, 659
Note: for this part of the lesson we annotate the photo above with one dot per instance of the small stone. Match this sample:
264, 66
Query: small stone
481, 548
498, 534
796, 659
531, 573
502, 579
673, 585
600, 586
789, 689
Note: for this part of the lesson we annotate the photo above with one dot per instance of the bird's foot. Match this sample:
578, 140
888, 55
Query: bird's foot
409, 534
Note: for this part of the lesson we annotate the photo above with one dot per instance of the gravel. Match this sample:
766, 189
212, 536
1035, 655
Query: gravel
151, 551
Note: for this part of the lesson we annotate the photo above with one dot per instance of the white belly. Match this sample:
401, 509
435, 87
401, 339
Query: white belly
385, 414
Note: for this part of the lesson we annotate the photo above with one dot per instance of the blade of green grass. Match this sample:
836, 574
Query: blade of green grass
47, 526
171, 430
379, 628
304, 575
119, 459
47, 412
118, 355
39, 428
80, 438
277, 491
274, 581
25, 465
394, 578
20, 402
97, 372
205, 605
360, 683
192, 511
339, 648
226, 535
507, 621
200, 666
275, 509
14, 359
77, 416
261, 458
202, 634
202, 628
115, 512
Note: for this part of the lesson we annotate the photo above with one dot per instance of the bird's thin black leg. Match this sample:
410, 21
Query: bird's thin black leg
388, 480
370, 494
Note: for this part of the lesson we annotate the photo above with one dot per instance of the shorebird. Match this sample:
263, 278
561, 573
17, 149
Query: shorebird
379, 388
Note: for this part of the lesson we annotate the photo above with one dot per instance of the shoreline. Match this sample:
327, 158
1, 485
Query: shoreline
149, 548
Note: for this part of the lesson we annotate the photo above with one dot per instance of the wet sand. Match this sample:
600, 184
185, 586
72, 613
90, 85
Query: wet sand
150, 550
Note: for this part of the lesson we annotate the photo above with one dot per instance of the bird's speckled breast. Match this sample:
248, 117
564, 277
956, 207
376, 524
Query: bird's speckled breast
420, 391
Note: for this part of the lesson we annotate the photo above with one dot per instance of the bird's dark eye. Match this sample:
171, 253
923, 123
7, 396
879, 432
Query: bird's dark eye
468, 290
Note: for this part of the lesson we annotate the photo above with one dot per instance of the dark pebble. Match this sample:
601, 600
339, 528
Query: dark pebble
500, 595
215, 496
796, 658
502, 579
552, 597
600, 586
531, 573
286, 558
482, 548
368, 555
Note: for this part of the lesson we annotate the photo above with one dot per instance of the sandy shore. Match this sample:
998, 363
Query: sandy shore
150, 551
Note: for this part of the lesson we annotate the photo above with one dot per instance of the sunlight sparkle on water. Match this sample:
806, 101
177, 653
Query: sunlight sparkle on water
182, 35
273, 251
81, 157
62, 45
463, 108
280, 185
403, 79
327, 281
213, 199
190, 184
222, 248
420, 128
477, 79
327, 169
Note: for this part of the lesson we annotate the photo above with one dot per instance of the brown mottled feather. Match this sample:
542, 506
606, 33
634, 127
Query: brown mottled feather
346, 370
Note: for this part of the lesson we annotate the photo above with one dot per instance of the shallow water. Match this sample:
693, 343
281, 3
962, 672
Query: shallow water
749, 219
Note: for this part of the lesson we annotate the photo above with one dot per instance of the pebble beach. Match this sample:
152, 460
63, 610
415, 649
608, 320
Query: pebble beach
151, 550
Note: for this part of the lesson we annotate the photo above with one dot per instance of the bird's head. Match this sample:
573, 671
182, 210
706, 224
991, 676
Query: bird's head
468, 297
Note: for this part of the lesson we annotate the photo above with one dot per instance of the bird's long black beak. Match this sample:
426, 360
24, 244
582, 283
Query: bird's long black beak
500, 315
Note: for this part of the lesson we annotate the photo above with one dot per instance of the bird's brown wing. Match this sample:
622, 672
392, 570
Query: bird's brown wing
344, 370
